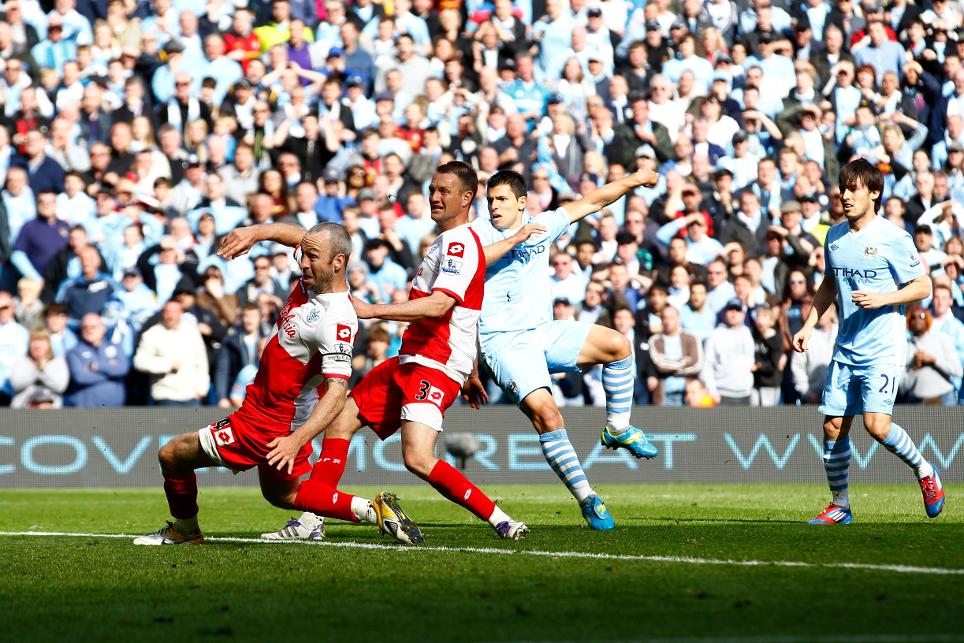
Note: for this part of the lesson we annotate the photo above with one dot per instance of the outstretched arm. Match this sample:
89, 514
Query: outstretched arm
601, 197
240, 240
495, 251
435, 305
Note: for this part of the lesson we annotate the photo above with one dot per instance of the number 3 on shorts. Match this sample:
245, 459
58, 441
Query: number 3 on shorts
423, 388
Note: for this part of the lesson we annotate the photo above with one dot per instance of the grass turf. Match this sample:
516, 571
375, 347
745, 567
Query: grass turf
92, 588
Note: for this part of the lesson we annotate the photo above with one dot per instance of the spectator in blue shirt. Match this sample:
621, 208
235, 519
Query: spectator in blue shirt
40, 239
387, 275
45, 174
97, 367
330, 203
90, 291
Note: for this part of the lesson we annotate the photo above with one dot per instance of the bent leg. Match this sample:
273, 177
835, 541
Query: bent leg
334, 449
554, 440
179, 458
611, 349
418, 452
895, 439
319, 494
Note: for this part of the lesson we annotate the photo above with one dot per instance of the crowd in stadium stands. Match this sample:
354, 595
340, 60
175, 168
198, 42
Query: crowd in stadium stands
134, 134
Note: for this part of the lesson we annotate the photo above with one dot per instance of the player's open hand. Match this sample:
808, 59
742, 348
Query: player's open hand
238, 242
867, 299
526, 231
801, 339
473, 392
283, 452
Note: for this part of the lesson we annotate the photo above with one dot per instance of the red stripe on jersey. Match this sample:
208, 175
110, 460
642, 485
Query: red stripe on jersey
476, 290
431, 338
280, 380
457, 298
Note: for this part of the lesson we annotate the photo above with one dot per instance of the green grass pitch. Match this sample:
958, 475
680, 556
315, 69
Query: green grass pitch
662, 574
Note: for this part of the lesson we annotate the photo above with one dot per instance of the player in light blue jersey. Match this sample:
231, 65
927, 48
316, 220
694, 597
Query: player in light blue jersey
521, 344
872, 270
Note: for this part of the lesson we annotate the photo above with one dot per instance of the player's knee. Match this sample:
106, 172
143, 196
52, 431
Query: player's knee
171, 454
420, 464
619, 346
543, 412
280, 499
548, 418
878, 426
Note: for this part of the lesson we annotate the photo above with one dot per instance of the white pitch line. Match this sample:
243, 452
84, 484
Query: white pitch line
852, 638
685, 560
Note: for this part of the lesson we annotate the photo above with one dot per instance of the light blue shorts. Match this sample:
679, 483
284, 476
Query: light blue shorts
520, 362
854, 390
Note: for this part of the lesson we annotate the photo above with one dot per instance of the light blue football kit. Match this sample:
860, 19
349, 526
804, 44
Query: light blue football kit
520, 342
870, 352
869, 356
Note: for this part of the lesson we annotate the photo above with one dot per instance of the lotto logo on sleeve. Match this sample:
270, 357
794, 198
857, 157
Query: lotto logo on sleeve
456, 250
223, 436
343, 333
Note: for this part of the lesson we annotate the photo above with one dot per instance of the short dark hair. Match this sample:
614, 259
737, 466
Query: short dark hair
860, 171
338, 237
625, 238
511, 178
468, 179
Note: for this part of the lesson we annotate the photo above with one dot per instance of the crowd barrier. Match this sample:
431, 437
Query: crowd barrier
87, 448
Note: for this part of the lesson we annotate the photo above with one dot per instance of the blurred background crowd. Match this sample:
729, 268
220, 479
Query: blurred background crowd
135, 133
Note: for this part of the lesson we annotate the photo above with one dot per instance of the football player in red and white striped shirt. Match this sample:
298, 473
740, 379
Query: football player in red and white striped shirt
299, 389
437, 359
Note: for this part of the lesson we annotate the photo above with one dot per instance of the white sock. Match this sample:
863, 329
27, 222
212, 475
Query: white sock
498, 516
925, 470
618, 423
310, 520
363, 510
841, 499
187, 526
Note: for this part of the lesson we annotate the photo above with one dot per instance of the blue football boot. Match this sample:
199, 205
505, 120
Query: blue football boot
632, 439
595, 512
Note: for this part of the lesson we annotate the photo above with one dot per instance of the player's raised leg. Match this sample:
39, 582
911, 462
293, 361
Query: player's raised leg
541, 409
179, 458
836, 464
608, 347
895, 439
418, 453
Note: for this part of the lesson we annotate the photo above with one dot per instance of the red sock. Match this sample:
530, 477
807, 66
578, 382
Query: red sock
457, 488
331, 464
325, 501
181, 492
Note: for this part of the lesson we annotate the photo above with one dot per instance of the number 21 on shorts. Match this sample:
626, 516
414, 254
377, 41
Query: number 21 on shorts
889, 382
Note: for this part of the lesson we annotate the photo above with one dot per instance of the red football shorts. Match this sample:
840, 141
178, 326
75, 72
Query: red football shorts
392, 392
234, 444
